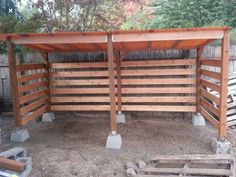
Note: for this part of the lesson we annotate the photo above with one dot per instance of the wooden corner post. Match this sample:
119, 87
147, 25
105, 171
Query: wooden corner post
112, 91
224, 84
14, 82
47, 76
119, 93
198, 78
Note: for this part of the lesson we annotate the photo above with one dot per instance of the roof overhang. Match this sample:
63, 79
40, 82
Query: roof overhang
181, 38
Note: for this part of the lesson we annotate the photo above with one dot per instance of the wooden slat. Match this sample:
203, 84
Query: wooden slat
34, 115
210, 85
209, 107
211, 62
192, 171
79, 65
210, 96
151, 99
210, 118
67, 74
135, 90
33, 105
162, 108
211, 74
158, 72
29, 87
30, 77
26, 67
166, 62
13, 165
32, 96
80, 107
133, 81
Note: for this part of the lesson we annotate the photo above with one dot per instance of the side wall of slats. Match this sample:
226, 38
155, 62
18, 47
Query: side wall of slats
153, 85
210, 89
32, 88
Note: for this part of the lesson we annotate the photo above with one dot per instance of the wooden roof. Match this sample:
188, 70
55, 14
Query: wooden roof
160, 39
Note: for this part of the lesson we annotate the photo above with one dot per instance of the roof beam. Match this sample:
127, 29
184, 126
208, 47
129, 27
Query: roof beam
206, 42
168, 36
57, 39
149, 45
97, 47
176, 44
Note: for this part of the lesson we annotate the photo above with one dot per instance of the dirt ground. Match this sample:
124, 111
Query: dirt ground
74, 144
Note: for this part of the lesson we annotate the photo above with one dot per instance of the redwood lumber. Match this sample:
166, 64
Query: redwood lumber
119, 82
112, 90
12, 165
26, 67
224, 84
198, 77
13, 79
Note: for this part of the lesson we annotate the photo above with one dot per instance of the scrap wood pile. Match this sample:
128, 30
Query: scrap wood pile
15, 163
231, 101
189, 165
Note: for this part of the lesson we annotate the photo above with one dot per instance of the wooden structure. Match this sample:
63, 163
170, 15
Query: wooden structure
171, 85
190, 165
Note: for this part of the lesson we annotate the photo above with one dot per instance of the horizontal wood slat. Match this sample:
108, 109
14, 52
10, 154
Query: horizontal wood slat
210, 96
29, 87
166, 81
26, 67
79, 65
34, 115
210, 118
166, 62
158, 72
135, 90
210, 85
209, 107
211, 62
33, 105
32, 96
124, 108
68, 74
125, 99
30, 77
211, 74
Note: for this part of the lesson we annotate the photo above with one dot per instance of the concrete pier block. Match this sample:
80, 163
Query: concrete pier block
19, 135
48, 117
120, 117
14, 153
198, 120
28, 166
114, 141
220, 146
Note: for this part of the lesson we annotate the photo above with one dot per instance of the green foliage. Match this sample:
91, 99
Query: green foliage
7, 24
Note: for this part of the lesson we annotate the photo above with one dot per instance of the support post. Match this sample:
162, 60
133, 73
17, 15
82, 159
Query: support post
112, 90
198, 119
120, 115
224, 84
14, 83
113, 140
48, 116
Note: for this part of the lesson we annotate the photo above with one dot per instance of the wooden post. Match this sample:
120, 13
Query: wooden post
112, 91
46, 62
224, 84
14, 83
119, 93
198, 79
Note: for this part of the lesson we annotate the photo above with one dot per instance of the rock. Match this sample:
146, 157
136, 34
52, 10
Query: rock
142, 164
131, 172
131, 165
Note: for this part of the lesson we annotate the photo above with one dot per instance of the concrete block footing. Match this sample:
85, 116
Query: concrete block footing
48, 117
220, 146
120, 117
19, 135
28, 166
198, 120
14, 153
114, 141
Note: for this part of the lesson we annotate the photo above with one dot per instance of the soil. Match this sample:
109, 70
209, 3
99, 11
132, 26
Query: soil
74, 144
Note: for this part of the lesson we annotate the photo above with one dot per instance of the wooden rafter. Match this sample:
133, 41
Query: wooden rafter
176, 44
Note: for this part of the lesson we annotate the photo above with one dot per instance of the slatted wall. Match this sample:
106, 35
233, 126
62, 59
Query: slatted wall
210, 89
32, 91
80, 86
152, 85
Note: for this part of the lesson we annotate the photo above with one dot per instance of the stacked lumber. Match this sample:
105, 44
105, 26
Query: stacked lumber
190, 165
